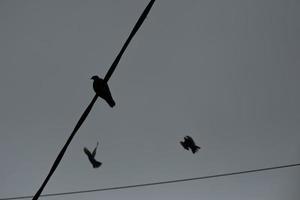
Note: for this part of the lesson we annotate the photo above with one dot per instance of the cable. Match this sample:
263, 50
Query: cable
157, 183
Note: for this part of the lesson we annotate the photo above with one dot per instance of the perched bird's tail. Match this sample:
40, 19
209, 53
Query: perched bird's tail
110, 102
108, 98
195, 148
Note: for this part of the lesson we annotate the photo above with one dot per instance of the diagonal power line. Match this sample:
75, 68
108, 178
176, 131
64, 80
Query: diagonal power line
159, 183
88, 109
133, 32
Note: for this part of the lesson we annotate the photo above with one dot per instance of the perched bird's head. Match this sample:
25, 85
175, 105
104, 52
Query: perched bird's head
95, 77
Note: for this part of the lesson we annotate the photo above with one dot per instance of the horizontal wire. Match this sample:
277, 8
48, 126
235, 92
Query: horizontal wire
157, 183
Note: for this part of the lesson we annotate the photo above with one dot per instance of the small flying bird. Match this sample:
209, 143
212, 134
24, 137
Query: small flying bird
91, 156
102, 90
189, 143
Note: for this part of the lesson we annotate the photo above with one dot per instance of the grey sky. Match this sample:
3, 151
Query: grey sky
224, 72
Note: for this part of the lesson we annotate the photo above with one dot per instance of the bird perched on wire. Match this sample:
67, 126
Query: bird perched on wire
102, 90
189, 143
91, 156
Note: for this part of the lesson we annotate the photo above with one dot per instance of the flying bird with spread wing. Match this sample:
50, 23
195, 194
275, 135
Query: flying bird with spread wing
102, 90
189, 143
91, 156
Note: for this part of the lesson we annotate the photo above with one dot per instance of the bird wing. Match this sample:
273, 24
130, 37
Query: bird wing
95, 150
87, 152
190, 140
184, 145
187, 137
133, 32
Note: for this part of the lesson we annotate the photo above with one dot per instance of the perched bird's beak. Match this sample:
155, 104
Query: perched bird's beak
93, 77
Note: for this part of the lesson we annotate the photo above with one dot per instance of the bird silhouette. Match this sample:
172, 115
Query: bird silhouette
189, 143
102, 90
91, 156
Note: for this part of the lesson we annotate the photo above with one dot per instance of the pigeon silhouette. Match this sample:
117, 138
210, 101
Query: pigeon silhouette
102, 90
91, 156
189, 143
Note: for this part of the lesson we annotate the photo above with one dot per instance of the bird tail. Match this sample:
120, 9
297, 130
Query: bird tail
195, 149
111, 102
108, 98
96, 164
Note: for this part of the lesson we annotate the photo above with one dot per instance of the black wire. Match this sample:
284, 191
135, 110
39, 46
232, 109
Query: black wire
157, 183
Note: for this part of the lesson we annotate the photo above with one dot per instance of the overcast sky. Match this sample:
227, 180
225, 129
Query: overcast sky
225, 72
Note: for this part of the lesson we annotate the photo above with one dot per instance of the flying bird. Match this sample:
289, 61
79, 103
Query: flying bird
91, 156
102, 90
189, 143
